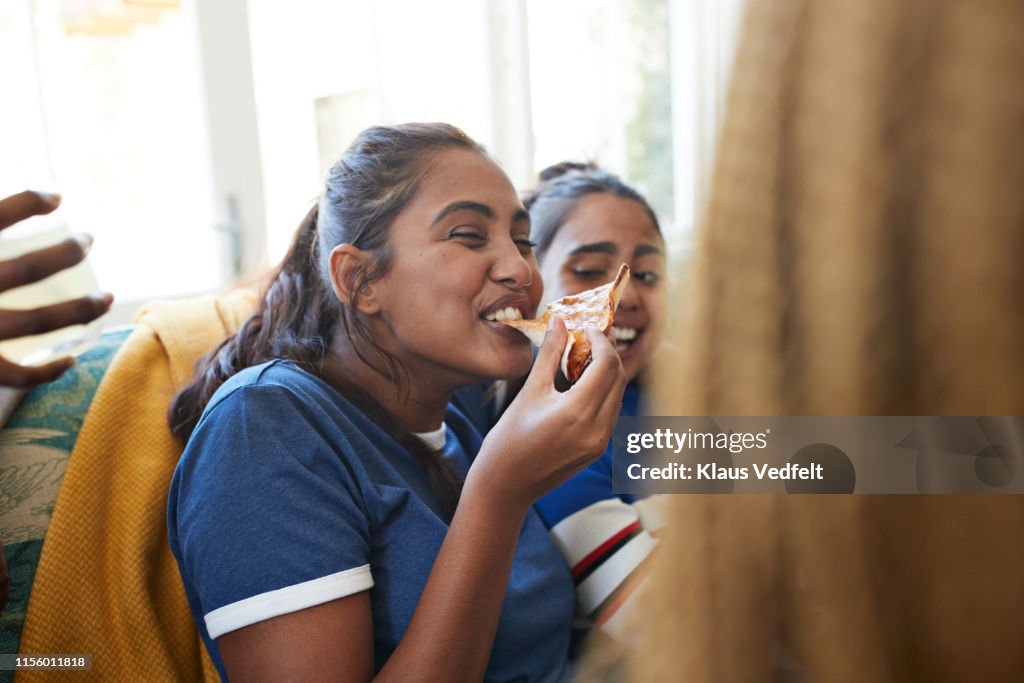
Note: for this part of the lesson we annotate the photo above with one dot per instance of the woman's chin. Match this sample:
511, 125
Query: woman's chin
514, 365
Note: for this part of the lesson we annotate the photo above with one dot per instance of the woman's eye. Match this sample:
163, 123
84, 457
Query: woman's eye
647, 277
525, 244
588, 274
458, 234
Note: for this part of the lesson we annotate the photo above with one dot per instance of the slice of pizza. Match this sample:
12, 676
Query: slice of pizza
592, 308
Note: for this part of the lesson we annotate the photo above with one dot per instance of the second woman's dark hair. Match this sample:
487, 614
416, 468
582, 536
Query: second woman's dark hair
299, 314
560, 190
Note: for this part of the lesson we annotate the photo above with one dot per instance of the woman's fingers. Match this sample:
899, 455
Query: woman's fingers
598, 391
23, 376
35, 266
42, 263
549, 356
607, 355
570, 428
603, 376
20, 206
14, 323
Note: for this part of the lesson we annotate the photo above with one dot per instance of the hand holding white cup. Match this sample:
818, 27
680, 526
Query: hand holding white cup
48, 302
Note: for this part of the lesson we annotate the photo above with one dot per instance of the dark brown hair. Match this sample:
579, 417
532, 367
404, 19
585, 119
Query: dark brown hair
299, 314
560, 190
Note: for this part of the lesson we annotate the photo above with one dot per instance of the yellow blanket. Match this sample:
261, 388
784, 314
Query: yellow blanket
107, 584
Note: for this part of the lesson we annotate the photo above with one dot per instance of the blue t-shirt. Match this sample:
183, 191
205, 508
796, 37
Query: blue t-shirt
287, 496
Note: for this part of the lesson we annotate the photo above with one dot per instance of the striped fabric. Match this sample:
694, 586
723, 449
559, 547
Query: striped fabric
606, 546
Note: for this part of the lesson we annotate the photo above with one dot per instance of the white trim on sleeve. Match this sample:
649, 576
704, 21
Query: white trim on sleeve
613, 572
286, 600
653, 511
587, 529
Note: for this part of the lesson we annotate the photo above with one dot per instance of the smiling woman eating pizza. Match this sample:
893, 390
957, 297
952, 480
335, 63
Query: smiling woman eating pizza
334, 515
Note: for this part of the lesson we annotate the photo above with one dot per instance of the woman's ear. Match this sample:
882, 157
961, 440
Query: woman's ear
348, 265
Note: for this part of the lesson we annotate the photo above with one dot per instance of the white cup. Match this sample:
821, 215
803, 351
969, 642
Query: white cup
72, 283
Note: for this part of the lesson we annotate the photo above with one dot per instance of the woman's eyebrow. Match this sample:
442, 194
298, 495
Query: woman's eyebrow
464, 205
645, 249
595, 248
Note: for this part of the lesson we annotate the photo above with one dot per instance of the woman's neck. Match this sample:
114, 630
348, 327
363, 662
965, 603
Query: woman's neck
418, 408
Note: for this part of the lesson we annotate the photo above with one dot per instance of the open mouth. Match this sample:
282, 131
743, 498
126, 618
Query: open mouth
624, 337
507, 313
503, 310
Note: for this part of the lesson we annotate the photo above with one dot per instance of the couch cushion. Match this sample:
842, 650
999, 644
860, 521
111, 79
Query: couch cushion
34, 448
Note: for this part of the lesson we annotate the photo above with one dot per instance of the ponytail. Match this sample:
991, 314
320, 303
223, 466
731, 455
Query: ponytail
296, 320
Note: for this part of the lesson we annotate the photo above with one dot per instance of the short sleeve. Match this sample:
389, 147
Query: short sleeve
266, 516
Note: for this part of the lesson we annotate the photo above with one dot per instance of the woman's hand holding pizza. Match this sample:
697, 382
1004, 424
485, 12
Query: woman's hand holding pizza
545, 436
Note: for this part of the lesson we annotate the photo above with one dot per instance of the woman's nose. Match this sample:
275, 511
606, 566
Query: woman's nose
512, 268
630, 298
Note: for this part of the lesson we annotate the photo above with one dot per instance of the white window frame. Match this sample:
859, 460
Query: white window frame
704, 35
703, 38
222, 40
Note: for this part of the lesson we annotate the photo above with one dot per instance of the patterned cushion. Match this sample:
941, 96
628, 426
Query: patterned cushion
34, 448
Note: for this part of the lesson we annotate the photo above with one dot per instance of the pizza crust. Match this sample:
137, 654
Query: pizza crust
533, 329
592, 308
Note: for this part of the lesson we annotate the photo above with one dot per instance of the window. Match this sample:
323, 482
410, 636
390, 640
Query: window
324, 71
108, 112
636, 85
190, 136
601, 90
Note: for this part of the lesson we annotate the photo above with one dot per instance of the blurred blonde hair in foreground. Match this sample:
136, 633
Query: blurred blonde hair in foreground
862, 255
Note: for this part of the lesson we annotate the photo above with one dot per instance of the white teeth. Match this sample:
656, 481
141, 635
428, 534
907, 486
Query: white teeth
623, 333
509, 313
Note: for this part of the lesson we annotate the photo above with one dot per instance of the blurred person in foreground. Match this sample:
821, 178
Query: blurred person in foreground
861, 255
